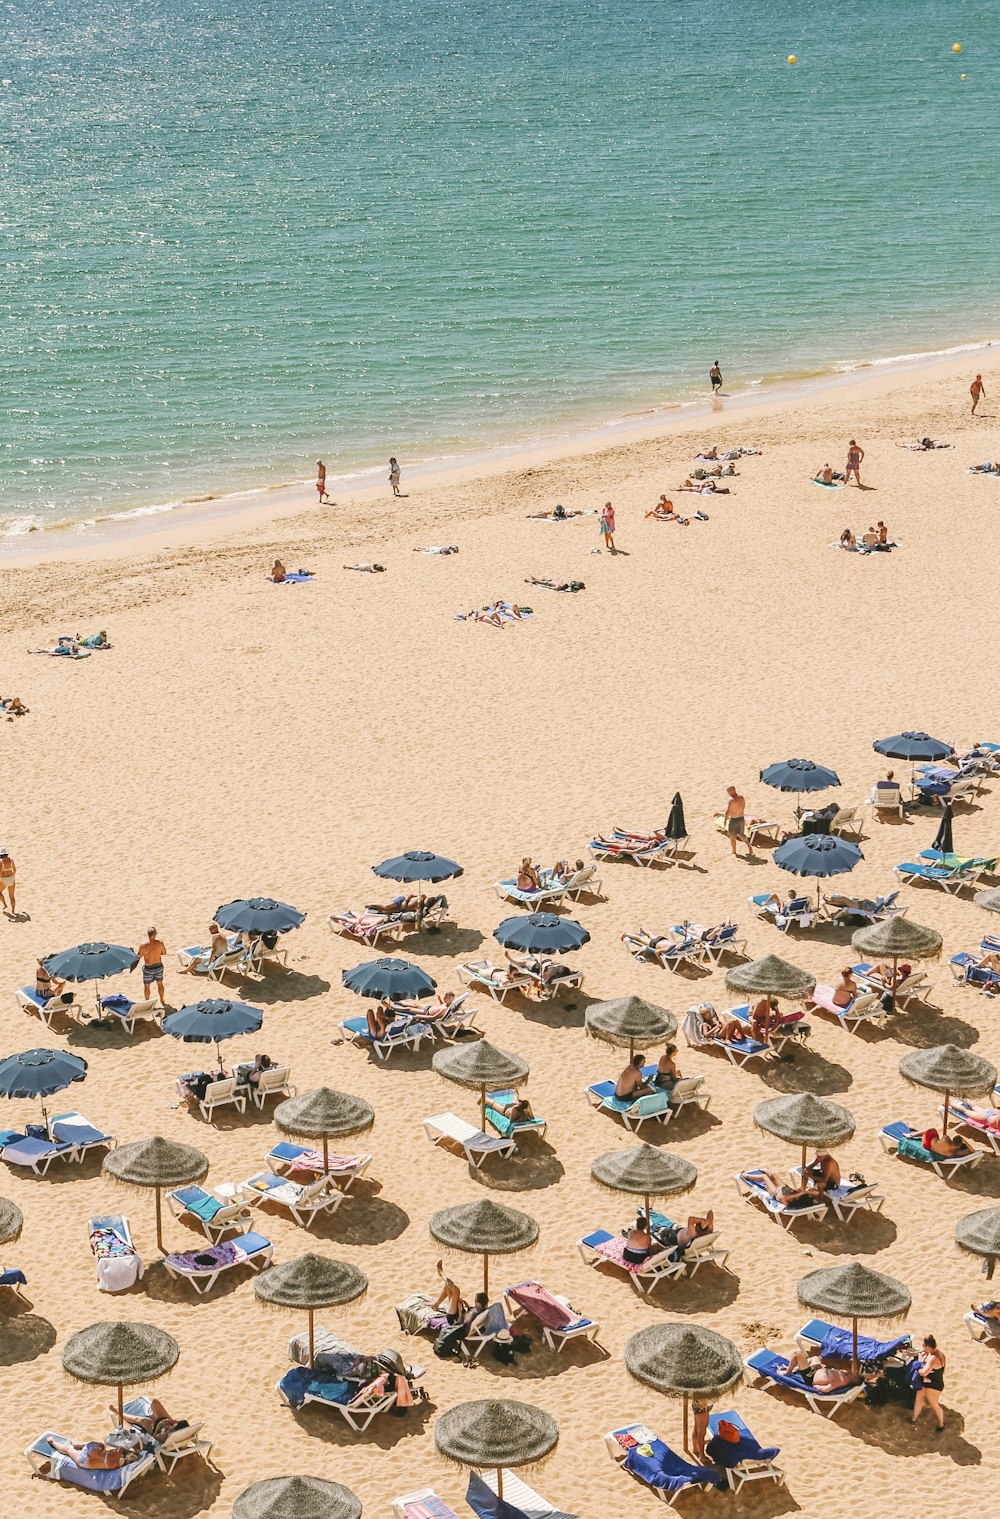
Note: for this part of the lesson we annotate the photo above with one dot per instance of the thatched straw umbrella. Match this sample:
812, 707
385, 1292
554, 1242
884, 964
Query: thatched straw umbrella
11, 1221
482, 1066
644, 1171
484, 1228
854, 1292
495, 1433
896, 939
630, 1023
296, 1498
324, 1114
949, 1069
802, 1118
988, 899
120, 1355
979, 1234
770, 977
156, 1163
310, 1282
684, 1361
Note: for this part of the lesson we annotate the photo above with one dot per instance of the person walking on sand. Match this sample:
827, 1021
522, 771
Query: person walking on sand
606, 526
931, 1381
394, 476
321, 490
855, 454
736, 822
715, 375
151, 954
977, 390
8, 870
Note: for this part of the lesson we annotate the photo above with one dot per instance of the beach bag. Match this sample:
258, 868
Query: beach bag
448, 1341
728, 1432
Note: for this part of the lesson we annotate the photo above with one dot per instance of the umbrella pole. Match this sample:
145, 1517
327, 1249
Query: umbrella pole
687, 1446
803, 1162
486, 1275
944, 1127
482, 1109
646, 1201
121, 1406
991, 1265
499, 1481
312, 1337
159, 1222
326, 1153
854, 1347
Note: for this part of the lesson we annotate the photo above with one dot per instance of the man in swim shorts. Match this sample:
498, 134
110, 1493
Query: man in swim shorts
977, 390
715, 375
736, 828
151, 954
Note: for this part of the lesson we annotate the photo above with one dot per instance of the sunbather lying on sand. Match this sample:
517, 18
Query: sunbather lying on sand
13, 706
451, 549
821, 1378
923, 445
496, 615
553, 585
715, 471
704, 488
67, 648
557, 514
987, 468
732, 453
369, 569
93, 640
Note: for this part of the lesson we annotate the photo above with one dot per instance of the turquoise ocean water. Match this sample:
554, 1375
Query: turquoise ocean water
234, 236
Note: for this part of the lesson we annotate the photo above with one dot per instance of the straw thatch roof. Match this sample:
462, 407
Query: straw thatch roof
802, 1118
644, 1170
323, 1114
630, 1022
896, 938
979, 1233
11, 1221
484, 1228
853, 1292
296, 1498
948, 1068
480, 1064
119, 1354
495, 1432
683, 1360
310, 1281
770, 977
988, 899
156, 1163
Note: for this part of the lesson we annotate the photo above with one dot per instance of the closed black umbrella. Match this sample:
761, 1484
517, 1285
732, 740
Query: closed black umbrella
91, 962
388, 980
40, 1073
676, 828
541, 933
943, 839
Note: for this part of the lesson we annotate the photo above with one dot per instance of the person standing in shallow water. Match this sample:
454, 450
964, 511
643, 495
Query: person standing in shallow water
394, 476
715, 375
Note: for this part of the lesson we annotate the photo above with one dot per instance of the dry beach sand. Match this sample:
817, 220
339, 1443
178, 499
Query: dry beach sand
242, 738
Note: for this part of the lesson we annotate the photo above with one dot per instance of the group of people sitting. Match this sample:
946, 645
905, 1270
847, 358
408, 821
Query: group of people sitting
645, 1238
196, 1083
529, 877
464, 1321
764, 1020
874, 541
664, 511
631, 1083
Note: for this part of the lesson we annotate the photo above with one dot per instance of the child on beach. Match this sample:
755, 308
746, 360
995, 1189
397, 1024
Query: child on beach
606, 526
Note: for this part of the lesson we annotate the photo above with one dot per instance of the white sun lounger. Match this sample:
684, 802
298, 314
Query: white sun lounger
213, 970
522, 1498
46, 1462
43, 1007
286, 1157
246, 1249
273, 1083
422, 1504
576, 1326
116, 1273
753, 1191
480, 973
74, 1129
850, 1197
304, 1200
980, 1326
866, 1007
214, 1217
944, 1165
443, 1128
218, 1094
174, 1447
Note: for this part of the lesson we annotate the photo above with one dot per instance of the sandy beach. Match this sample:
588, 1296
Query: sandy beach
244, 738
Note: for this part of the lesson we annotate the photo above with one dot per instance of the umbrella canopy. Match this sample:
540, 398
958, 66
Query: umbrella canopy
119, 1355
989, 899
914, 746
853, 1292
484, 1228
770, 977
211, 1020
684, 1361
979, 1234
324, 1114
644, 1171
541, 933
40, 1073
949, 1069
309, 1282
91, 962
676, 828
11, 1221
494, 1433
799, 775
801, 1118
418, 865
897, 938
156, 1163
481, 1065
258, 915
630, 1023
943, 838
296, 1498
388, 980
817, 854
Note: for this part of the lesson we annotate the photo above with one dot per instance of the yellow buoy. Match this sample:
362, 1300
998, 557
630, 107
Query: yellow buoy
956, 47
792, 58
965, 76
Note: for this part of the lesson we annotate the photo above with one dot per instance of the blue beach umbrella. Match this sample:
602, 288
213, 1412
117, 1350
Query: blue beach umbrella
212, 1020
541, 933
388, 980
799, 775
914, 747
817, 854
40, 1073
91, 962
418, 865
258, 915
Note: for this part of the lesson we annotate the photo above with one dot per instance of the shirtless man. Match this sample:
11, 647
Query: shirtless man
631, 1083
8, 871
219, 947
977, 390
736, 809
151, 954
321, 490
826, 474
715, 375
824, 1173
855, 454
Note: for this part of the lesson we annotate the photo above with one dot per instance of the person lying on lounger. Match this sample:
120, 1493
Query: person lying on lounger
449, 1300
631, 1083
519, 1110
987, 1116
679, 1237
427, 1012
95, 1455
539, 966
948, 1146
792, 1194
986, 1310
819, 1377
156, 1423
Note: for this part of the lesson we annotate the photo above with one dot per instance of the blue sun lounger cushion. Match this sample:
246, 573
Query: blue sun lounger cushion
666, 1470
483, 1501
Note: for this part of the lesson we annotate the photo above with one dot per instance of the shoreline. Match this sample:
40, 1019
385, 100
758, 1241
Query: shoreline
171, 524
